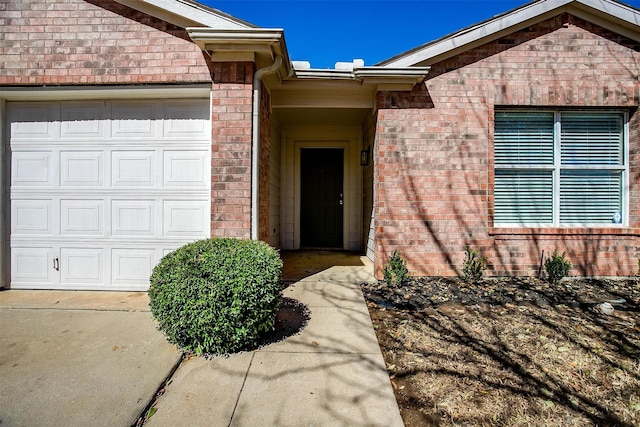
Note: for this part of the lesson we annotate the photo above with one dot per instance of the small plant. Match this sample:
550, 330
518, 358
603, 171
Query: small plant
638, 274
557, 267
474, 265
217, 296
395, 272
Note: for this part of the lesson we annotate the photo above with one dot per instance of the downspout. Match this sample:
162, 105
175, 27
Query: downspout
4, 279
255, 141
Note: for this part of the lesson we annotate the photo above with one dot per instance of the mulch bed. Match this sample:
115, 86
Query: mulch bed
511, 351
420, 293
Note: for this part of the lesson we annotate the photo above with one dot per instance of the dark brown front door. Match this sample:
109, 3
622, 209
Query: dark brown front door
322, 201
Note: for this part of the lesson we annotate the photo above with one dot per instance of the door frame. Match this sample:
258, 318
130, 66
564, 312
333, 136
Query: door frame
298, 146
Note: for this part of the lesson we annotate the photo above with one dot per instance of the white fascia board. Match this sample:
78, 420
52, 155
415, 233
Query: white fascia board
104, 92
617, 10
508, 23
186, 13
364, 73
401, 79
256, 40
627, 24
268, 42
204, 35
392, 72
319, 73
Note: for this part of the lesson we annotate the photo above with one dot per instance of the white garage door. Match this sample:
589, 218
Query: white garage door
101, 190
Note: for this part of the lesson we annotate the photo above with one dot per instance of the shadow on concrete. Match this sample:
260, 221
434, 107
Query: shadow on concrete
301, 264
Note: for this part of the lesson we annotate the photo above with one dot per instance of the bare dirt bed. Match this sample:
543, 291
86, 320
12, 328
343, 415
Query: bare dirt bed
511, 352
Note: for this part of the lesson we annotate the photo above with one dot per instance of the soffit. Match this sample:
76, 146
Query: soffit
609, 14
321, 116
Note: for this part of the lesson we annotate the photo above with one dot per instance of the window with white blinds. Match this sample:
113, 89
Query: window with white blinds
559, 169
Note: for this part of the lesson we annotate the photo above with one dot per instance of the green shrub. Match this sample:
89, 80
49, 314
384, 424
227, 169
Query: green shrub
557, 267
217, 295
474, 265
395, 272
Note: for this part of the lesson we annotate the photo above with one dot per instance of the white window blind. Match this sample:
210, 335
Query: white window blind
591, 139
558, 168
590, 196
523, 197
523, 138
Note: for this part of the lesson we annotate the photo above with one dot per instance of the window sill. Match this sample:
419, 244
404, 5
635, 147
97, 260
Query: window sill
510, 232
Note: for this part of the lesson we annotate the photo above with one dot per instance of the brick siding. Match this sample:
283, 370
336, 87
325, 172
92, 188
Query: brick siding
264, 186
71, 42
434, 167
231, 149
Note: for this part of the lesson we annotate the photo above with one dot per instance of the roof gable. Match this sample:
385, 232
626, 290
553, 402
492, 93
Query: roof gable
187, 13
609, 14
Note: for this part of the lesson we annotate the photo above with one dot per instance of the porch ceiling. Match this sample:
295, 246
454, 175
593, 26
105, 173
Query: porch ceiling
321, 116
322, 102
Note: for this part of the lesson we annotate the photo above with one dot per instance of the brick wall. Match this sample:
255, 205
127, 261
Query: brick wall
264, 174
434, 171
62, 42
232, 96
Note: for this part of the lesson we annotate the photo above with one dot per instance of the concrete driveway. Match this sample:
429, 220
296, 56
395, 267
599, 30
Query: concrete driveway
79, 358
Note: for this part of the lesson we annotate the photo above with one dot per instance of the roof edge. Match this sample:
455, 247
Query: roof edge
514, 20
264, 43
187, 13
402, 78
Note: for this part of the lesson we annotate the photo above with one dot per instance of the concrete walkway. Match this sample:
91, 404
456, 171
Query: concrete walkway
330, 374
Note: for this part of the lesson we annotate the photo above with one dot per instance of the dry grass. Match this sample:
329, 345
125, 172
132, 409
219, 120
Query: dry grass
512, 365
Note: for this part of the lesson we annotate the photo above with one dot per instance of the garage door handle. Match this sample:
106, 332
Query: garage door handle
56, 264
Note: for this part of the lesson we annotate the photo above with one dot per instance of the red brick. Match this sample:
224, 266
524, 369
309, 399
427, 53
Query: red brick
71, 24
434, 167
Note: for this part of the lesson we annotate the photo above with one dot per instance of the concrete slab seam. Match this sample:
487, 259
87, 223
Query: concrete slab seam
74, 309
244, 381
154, 398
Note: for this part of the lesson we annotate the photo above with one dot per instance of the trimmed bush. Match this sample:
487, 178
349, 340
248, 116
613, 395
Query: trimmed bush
474, 265
217, 295
557, 267
395, 272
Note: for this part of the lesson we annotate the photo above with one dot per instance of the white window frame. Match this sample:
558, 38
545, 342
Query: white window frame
557, 168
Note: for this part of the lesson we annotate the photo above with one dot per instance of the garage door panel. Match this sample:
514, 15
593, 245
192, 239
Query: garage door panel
132, 266
82, 217
186, 169
133, 168
30, 169
81, 265
32, 265
101, 190
81, 168
134, 120
34, 122
185, 218
32, 216
83, 121
185, 121
133, 217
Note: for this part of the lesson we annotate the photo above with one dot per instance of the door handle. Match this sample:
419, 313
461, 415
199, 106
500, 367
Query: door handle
56, 264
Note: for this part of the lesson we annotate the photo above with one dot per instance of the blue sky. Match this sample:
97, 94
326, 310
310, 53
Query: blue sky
324, 32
